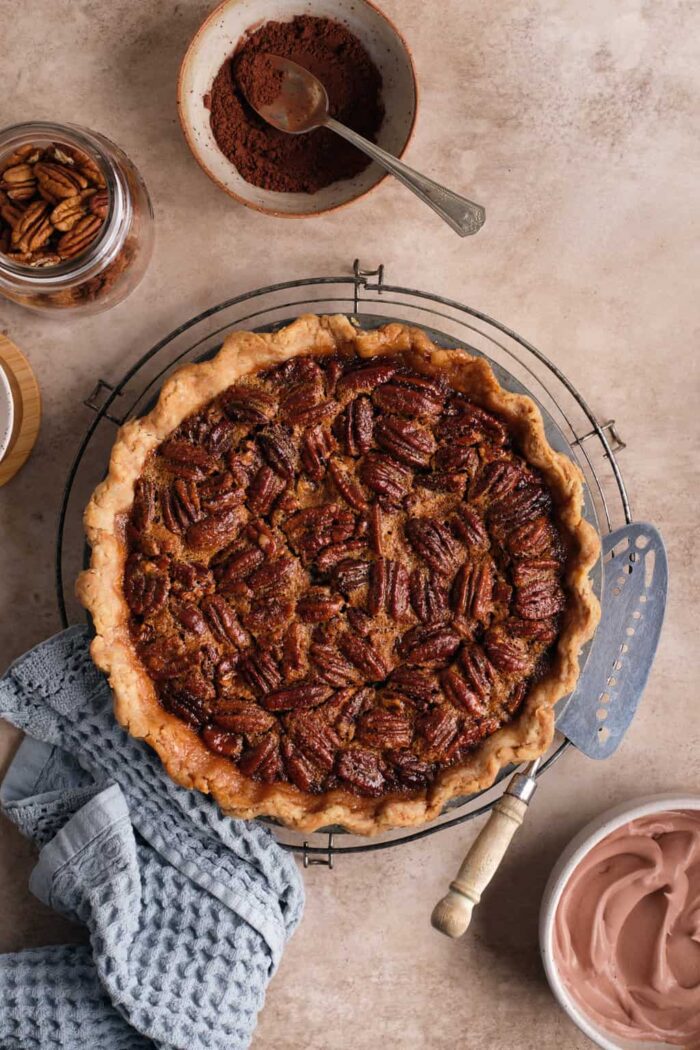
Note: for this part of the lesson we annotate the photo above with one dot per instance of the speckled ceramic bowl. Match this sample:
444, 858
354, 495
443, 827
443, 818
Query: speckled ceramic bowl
570, 859
7, 413
217, 38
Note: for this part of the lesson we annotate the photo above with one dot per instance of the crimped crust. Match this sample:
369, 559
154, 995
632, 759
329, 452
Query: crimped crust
185, 756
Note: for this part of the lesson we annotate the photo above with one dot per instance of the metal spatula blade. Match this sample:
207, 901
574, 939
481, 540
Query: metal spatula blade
597, 715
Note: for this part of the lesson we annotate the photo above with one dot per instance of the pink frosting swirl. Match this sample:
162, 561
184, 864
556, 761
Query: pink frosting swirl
627, 931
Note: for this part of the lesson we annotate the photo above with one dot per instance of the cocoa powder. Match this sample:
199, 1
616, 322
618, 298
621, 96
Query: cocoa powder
275, 160
258, 78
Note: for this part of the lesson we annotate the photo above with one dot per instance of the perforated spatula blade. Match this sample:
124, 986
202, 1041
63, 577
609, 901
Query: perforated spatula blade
635, 581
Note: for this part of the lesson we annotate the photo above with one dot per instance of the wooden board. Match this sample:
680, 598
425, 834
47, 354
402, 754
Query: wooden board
27, 408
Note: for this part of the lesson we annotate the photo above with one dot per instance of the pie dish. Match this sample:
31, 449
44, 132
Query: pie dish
338, 576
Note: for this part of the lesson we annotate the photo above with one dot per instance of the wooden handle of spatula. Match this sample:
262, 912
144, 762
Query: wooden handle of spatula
453, 913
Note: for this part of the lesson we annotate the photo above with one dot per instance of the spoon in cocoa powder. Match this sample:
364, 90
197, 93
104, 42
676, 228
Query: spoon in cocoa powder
291, 99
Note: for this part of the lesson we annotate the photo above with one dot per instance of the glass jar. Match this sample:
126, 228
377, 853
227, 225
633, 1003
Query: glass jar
81, 279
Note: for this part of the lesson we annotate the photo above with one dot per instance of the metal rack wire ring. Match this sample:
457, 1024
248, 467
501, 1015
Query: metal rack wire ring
368, 299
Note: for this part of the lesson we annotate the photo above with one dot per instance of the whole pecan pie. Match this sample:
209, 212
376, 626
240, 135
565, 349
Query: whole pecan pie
339, 576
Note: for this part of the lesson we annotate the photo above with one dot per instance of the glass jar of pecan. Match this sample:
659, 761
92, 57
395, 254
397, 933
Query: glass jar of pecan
76, 222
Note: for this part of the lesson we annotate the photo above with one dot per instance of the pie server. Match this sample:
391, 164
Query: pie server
596, 716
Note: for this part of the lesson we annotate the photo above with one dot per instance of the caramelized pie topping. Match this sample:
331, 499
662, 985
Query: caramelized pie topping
342, 573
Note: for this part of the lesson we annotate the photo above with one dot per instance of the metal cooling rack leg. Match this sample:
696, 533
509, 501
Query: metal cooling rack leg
99, 396
327, 861
361, 280
616, 442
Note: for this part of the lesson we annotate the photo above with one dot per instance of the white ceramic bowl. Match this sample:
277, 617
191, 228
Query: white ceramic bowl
216, 40
572, 856
7, 413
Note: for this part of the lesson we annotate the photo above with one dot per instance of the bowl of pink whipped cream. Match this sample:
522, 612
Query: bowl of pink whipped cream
620, 926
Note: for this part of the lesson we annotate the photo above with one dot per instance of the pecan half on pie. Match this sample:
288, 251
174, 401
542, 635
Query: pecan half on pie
339, 577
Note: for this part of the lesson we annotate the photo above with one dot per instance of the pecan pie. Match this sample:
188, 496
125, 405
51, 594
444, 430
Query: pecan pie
339, 576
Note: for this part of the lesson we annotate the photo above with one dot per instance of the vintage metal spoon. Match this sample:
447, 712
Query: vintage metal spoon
302, 105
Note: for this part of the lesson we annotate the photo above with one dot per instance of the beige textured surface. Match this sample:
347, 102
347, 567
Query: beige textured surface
577, 126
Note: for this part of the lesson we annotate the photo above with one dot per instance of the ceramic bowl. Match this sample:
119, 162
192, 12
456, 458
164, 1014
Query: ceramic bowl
572, 856
7, 413
216, 40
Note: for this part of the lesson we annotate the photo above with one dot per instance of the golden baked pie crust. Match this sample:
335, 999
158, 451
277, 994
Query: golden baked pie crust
185, 756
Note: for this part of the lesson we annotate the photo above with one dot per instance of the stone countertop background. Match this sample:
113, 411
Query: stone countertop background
577, 126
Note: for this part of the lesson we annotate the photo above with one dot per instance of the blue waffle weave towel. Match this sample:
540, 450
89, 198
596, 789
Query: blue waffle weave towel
187, 911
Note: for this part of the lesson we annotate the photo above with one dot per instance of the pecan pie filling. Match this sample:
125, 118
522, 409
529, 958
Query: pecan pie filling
342, 574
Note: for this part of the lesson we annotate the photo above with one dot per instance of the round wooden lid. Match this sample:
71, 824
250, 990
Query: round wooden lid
25, 390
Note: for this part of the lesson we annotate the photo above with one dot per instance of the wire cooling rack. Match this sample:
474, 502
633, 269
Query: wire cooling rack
367, 298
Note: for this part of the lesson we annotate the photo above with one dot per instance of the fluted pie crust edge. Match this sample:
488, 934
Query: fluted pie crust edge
188, 761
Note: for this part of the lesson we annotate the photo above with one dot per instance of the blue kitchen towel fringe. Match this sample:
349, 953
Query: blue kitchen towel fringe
187, 911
